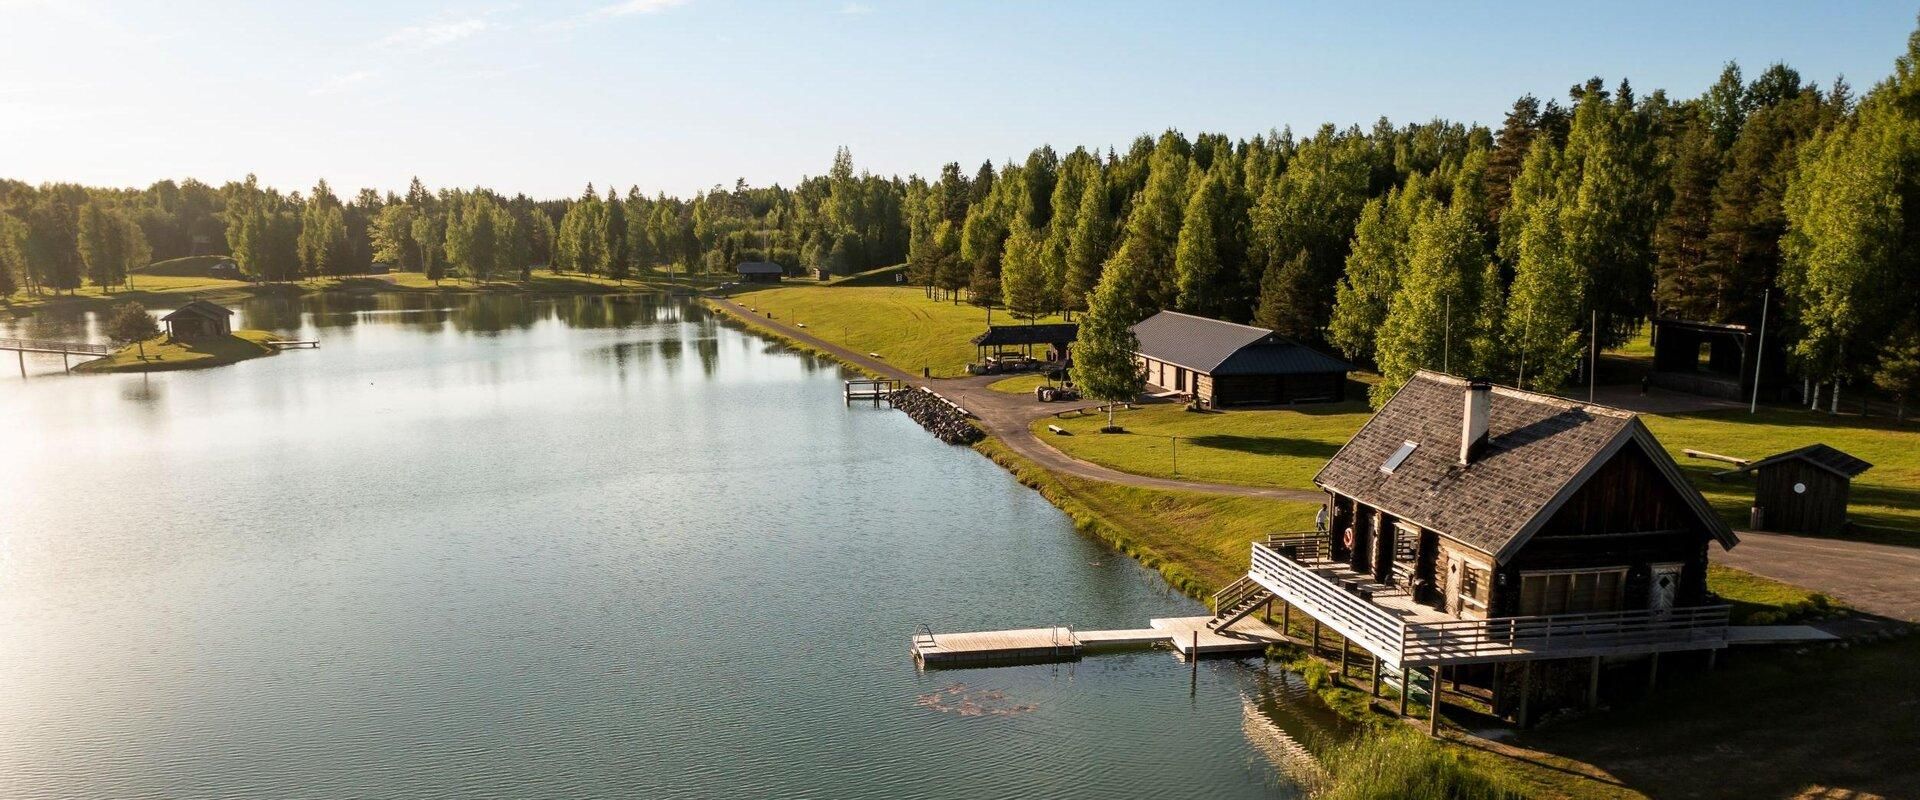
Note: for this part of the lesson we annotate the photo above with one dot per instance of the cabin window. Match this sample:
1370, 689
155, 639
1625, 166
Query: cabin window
1571, 591
1473, 588
1399, 457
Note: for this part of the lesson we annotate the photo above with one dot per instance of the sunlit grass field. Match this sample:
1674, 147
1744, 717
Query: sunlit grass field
900, 323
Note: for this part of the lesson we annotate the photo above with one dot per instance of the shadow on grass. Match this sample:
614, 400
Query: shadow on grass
1769, 723
1265, 445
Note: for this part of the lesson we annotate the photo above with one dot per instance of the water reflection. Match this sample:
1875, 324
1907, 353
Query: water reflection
517, 546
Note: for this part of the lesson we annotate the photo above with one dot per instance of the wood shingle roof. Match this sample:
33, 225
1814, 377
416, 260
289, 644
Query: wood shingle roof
1540, 449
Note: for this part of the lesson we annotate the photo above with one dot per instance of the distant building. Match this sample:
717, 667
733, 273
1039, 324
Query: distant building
1802, 491
1715, 359
1224, 363
1057, 338
199, 319
225, 268
760, 272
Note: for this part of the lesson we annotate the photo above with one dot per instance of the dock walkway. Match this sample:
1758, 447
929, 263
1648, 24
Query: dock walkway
1039, 645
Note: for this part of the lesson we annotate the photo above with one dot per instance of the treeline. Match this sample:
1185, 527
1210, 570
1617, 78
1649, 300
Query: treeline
1501, 254
56, 237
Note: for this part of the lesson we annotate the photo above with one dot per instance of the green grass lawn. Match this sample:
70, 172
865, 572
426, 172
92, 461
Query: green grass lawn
159, 354
900, 323
1019, 384
142, 288
1200, 542
1282, 447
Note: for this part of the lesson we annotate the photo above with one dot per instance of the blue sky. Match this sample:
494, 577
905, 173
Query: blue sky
677, 95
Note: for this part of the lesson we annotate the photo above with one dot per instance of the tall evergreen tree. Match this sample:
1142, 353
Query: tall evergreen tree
1205, 287
1087, 245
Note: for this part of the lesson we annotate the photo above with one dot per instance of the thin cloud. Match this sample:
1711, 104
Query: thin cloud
342, 83
856, 8
626, 8
437, 34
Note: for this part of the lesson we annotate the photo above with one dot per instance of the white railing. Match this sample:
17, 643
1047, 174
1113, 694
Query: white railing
1378, 630
1283, 566
1597, 633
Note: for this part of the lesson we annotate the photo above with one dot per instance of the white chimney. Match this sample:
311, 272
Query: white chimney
1473, 424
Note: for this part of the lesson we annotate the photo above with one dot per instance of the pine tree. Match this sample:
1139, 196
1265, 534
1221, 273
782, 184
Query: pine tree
1203, 282
1511, 147
613, 236
1087, 245
1279, 287
1898, 371
1023, 276
1153, 227
1683, 287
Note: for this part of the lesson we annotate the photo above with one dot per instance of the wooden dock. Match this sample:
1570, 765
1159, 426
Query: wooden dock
878, 390
1040, 645
285, 344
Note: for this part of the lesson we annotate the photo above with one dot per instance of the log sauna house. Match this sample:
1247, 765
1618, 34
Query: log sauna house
1515, 543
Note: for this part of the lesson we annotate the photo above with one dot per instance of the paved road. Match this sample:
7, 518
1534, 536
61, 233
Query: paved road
1010, 417
1877, 578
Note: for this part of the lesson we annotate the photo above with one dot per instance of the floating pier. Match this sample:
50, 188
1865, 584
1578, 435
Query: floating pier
1185, 635
285, 344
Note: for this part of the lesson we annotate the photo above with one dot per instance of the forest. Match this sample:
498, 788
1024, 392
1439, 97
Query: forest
1500, 253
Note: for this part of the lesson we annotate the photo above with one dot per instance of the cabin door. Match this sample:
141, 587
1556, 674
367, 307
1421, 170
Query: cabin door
1664, 589
1454, 606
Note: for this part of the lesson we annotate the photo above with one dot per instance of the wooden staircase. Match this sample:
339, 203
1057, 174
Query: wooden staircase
1236, 601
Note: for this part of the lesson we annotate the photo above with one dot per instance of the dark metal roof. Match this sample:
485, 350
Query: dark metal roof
1279, 358
1819, 455
199, 308
1540, 450
1226, 348
1700, 325
1050, 333
760, 268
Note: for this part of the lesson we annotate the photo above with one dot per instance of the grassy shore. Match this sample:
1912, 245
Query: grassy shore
898, 322
161, 354
166, 290
1249, 448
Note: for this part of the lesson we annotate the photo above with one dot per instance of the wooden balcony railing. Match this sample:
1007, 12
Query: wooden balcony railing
1285, 566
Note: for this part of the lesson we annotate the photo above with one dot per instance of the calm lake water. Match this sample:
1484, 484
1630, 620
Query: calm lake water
597, 547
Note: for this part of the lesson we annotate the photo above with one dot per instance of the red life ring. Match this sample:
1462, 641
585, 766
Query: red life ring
1348, 538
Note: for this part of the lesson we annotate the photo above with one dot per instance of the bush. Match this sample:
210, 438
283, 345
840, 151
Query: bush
1402, 765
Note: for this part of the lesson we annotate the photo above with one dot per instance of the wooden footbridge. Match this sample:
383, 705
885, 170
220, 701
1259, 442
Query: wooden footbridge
66, 350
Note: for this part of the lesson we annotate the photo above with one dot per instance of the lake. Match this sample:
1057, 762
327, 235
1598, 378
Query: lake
495, 546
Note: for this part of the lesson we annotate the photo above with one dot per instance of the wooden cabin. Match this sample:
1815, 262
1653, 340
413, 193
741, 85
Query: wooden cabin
1481, 529
760, 272
1223, 363
199, 319
1802, 491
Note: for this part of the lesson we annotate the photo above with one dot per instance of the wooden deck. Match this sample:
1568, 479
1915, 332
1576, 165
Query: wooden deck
1040, 645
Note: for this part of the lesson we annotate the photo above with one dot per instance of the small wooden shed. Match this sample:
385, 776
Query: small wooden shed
198, 319
1802, 491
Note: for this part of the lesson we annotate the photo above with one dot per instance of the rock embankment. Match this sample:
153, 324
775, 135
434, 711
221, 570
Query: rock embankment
938, 417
